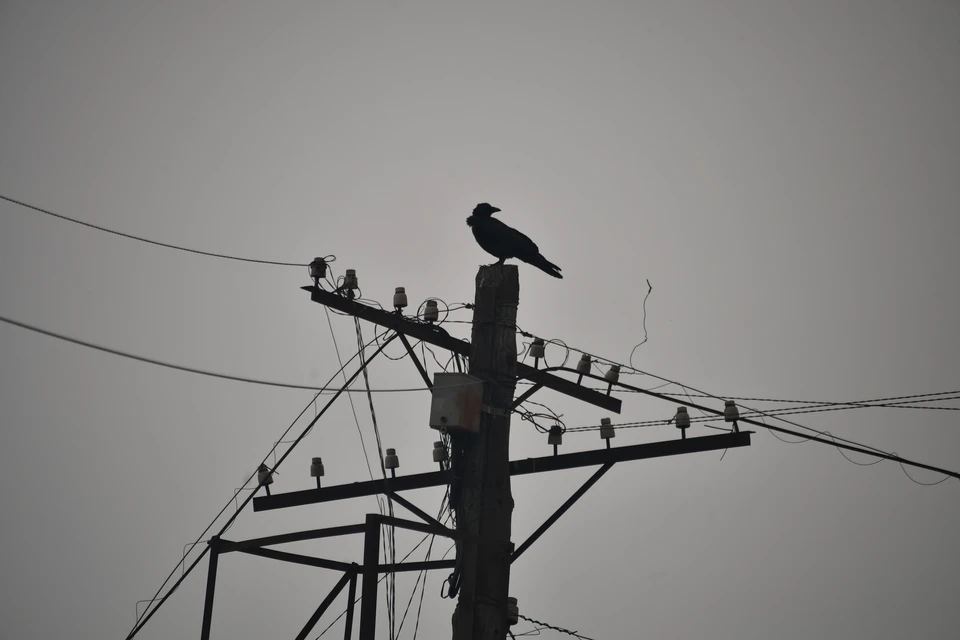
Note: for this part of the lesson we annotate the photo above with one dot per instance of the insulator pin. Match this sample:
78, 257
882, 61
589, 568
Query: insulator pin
730, 411
431, 312
555, 436
513, 611
400, 298
682, 418
606, 429
264, 475
391, 460
613, 373
583, 366
317, 269
350, 280
537, 348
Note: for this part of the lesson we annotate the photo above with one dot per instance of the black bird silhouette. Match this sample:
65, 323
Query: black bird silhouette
504, 242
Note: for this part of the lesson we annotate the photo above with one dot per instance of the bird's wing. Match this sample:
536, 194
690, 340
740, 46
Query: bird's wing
511, 239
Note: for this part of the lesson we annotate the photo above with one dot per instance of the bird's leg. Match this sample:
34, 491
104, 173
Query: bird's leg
501, 261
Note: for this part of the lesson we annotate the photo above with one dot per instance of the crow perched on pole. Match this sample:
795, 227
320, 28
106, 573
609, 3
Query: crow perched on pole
504, 242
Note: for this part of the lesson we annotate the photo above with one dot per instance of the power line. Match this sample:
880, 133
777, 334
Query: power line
353, 409
840, 443
778, 412
153, 242
931, 398
873, 402
544, 625
202, 372
389, 540
403, 559
823, 437
364, 362
221, 512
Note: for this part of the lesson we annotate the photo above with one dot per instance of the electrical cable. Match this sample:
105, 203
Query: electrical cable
201, 372
154, 242
769, 413
544, 625
148, 612
819, 437
423, 590
446, 518
413, 592
391, 581
353, 408
642, 342
815, 402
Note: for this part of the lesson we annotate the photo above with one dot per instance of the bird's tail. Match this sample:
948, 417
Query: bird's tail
544, 265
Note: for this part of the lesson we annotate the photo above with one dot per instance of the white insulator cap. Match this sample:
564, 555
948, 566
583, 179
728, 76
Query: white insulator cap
584, 365
439, 452
316, 468
613, 373
318, 268
682, 418
730, 411
391, 461
537, 348
264, 476
350, 280
513, 611
431, 313
556, 435
606, 429
400, 298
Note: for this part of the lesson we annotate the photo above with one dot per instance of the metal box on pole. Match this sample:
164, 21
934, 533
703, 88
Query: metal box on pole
457, 402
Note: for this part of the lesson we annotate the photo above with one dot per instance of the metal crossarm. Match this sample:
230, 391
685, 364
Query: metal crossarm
518, 467
433, 334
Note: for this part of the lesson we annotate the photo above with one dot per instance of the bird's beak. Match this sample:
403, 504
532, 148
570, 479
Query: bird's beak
494, 209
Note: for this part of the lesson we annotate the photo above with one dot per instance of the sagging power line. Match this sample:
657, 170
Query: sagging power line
156, 243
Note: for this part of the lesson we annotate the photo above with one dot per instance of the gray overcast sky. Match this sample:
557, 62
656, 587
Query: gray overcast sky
785, 173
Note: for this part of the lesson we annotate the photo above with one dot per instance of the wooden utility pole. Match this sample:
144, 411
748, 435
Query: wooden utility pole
486, 505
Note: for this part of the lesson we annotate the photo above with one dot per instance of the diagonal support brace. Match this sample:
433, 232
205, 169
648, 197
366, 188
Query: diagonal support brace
414, 509
315, 618
559, 512
525, 395
416, 360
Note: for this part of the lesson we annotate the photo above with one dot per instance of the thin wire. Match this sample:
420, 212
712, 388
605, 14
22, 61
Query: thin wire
870, 450
423, 590
875, 402
154, 242
797, 424
413, 592
924, 484
201, 372
391, 581
353, 409
776, 413
381, 579
649, 291
403, 559
544, 625
221, 512
819, 402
